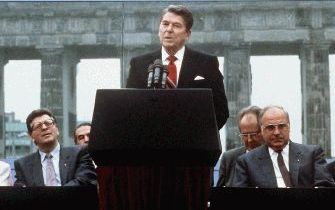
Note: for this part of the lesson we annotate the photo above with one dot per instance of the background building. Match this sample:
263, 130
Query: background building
61, 34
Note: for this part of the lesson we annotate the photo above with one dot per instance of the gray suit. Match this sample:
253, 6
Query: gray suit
75, 166
227, 166
307, 167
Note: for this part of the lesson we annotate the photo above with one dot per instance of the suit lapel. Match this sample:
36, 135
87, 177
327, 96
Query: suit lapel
266, 167
187, 70
294, 163
63, 165
36, 170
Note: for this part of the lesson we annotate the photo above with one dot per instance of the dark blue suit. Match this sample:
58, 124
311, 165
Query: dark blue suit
227, 166
331, 167
194, 64
75, 166
307, 167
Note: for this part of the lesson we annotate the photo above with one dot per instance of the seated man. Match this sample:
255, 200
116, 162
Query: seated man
52, 164
81, 134
281, 162
250, 133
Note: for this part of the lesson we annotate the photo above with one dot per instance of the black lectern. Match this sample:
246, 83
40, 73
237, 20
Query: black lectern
154, 148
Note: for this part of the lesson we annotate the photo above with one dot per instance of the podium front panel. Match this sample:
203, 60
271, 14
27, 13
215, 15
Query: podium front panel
146, 126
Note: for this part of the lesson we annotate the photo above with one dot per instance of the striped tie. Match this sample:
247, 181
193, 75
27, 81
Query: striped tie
172, 69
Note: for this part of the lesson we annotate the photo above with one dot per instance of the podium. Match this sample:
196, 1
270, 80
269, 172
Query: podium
154, 148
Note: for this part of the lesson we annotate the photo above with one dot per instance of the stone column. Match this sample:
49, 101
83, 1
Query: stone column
52, 93
315, 95
3, 62
70, 62
128, 53
237, 73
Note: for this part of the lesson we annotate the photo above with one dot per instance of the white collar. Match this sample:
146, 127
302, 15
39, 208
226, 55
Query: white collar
284, 152
179, 54
54, 152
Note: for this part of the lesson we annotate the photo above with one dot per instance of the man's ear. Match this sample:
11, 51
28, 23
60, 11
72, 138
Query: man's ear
189, 34
33, 140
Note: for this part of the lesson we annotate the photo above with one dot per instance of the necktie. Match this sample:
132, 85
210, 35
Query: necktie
283, 170
50, 172
172, 69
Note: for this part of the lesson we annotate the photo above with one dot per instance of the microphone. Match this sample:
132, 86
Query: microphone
150, 75
164, 76
158, 68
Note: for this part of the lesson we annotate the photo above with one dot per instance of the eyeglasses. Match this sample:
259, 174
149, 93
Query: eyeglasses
38, 126
248, 135
279, 126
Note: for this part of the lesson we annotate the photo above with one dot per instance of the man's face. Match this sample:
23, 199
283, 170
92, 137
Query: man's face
83, 134
44, 132
250, 132
275, 128
172, 32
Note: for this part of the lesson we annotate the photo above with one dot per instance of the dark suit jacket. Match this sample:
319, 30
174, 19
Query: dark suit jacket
307, 168
227, 166
194, 64
331, 168
75, 165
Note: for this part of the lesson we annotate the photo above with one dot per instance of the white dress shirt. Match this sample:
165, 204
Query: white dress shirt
55, 161
274, 155
179, 55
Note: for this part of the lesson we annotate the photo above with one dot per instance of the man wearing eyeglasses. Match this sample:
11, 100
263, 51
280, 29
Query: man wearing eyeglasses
52, 164
281, 162
250, 134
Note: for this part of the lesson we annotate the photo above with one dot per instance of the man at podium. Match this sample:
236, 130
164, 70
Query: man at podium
165, 164
187, 68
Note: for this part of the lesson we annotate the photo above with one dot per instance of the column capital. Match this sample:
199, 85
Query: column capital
307, 47
3, 57
238, 45
72, 54
50, 49
319, 45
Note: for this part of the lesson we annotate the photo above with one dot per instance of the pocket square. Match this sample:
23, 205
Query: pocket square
199, 78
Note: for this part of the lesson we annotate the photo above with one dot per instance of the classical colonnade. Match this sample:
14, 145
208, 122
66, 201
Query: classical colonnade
62, 33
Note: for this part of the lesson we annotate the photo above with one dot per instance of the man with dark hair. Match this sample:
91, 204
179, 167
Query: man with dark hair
189, 68
250, 134
81, 134
52, 164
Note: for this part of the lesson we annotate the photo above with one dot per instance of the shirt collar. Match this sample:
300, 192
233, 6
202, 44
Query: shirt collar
179, 54
284, 152
54, 152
